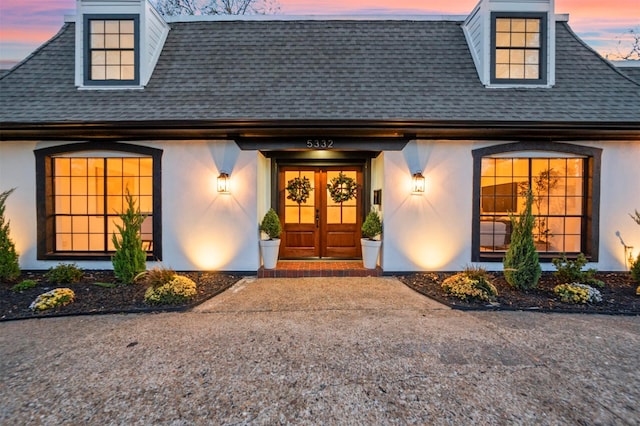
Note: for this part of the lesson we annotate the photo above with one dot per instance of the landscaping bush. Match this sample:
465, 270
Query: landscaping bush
372, 225
179, 290
24, 285
52, 299
473, 283
270, 224
570, 271
577, 293
129, 259
9, 266
521, 265
64, 273
157, 276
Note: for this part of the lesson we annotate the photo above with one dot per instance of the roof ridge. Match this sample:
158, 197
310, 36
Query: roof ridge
36, 51
600, 57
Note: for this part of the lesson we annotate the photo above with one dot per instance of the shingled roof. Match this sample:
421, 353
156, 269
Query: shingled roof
318, 70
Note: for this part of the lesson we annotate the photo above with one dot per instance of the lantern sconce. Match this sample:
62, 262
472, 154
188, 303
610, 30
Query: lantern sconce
223, 183
418, 183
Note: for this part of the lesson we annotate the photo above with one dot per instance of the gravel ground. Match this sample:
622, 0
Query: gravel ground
321, 351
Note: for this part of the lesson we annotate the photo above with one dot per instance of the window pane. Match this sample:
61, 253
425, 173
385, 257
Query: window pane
503, 25
98, 57
502, 56
97, 41
126, 26
517, 40
97, 27
63, 186
80, 224
516, 56
112, 27
127, 72
572, 244
146, 167
502, 71
63, 224
78, 205
63, 242
516, 71
113, 57
533, 40
532, 72
79, 185
503, 40
126, 57
126, 41
63, 204
98, 73
518, 25
532, 57
96, 242
96, 224
112, 41
533, 25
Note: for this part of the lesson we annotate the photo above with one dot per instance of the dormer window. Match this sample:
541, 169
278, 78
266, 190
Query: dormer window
112, 50
518, 48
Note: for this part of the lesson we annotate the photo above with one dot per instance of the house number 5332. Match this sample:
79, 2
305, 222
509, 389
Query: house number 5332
320, 143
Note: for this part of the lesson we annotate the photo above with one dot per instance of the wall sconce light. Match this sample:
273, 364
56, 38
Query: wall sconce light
418, 183
223, 182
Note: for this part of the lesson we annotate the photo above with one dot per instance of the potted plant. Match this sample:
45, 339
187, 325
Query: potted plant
270, 225
371, 229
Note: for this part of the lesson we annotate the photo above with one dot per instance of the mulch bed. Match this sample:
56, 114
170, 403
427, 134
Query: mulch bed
618, 295
92, 298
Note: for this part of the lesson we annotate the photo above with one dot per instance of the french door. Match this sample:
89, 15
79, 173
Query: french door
319, 226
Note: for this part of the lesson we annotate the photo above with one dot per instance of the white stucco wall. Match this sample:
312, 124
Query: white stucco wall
206, 230
433, 231
202, 229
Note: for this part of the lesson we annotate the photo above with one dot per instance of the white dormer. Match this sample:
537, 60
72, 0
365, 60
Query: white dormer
118, 43
513, 42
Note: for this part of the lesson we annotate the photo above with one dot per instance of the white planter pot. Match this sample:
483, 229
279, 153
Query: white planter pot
370, 252
269, 249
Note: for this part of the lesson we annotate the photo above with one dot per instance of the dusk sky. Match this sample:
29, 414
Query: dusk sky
26, 24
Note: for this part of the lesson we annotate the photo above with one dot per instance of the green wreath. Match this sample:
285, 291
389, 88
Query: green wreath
342, 188
299, 189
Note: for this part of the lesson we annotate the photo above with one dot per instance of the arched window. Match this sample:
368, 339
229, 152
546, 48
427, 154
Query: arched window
564, 181
80, 194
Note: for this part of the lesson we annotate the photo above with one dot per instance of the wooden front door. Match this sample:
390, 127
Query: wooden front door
320, 227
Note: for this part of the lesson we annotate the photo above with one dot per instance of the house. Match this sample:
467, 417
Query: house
480, 106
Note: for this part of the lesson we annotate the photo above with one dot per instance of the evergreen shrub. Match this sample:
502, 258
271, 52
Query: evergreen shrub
9, 266
270, 224
521, 264
130, 259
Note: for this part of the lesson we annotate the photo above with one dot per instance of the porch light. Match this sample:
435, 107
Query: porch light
418, 183
223, 183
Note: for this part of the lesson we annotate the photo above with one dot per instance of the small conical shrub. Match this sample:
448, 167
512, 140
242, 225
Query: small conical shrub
129, 259
271, 224
521, 265
9, 266
372, 225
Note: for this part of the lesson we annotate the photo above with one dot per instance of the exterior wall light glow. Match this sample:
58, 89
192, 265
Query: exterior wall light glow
223, 182
418, 183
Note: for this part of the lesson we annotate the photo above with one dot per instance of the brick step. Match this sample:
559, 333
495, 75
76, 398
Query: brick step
318, 268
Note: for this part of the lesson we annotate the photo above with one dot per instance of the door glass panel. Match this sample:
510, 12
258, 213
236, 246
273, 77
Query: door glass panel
346, 211
307, 214
333, 215
303, 212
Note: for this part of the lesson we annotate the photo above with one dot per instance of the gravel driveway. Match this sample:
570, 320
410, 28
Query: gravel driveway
321, 351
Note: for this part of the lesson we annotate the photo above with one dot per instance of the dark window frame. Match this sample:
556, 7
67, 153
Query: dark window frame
590, 241
45, 198
543, 48
87, 50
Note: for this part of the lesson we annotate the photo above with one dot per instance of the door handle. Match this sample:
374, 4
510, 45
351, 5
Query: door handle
317, 218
